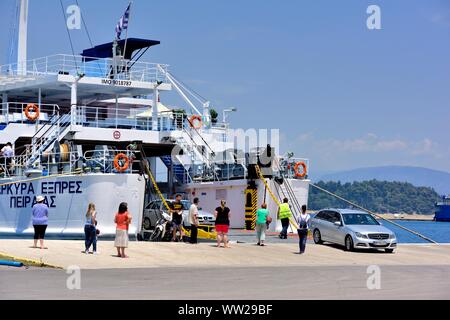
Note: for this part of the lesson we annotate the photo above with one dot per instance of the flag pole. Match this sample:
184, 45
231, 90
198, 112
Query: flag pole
126, 34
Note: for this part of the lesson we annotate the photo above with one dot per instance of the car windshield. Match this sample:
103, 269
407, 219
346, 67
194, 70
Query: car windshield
359, 218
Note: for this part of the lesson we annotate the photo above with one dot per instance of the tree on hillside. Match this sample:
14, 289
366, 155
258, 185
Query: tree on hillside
377, 196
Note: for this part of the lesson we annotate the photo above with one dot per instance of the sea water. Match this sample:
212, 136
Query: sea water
437, 231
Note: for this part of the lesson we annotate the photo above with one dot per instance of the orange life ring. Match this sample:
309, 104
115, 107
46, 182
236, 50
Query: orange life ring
304, 171
32, 108
199, 121
121, 157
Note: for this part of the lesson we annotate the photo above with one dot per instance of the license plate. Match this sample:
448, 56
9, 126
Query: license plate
380, 243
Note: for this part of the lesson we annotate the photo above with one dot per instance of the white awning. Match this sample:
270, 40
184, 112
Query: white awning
162, 110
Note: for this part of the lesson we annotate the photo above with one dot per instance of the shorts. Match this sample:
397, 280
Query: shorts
176, 225
39, 231
222, 228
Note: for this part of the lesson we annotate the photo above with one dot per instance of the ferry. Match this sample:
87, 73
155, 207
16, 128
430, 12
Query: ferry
443, 209
94, 127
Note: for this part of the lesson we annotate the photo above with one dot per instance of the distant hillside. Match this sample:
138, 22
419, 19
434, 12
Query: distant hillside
421, 177
378, 196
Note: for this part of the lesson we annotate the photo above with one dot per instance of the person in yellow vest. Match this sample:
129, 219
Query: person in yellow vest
284, 213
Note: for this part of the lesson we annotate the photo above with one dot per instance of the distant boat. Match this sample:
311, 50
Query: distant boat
443, 209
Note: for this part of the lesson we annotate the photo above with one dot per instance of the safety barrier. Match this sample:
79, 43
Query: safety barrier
251, 204
201, 233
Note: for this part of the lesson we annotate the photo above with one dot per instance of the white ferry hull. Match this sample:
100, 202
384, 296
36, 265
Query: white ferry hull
233, 191
68, 198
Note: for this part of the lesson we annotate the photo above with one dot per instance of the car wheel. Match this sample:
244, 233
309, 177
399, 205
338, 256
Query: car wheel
139, 237
317, 237
147, 224
389, 250
348, 243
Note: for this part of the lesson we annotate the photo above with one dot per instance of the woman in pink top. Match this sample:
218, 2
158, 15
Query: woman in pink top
122, 220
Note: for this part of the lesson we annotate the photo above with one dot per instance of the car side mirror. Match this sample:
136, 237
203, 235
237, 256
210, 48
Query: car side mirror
337, 223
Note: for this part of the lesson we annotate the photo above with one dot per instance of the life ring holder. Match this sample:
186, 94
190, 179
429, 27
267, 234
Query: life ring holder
32, 108
193, 119
304, 171
118, 166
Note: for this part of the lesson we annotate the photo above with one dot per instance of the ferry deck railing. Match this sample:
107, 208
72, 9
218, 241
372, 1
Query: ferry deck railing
102, 161
14, 112
286, 166
92, 161
103, 117
221, 170
62, 64
130, 118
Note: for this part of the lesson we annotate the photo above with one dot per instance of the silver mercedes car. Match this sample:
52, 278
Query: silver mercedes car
352, 229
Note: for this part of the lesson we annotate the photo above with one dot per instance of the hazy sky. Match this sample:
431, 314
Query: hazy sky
342, 95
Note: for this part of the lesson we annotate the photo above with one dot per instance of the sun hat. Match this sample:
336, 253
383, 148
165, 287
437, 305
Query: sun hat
40, 199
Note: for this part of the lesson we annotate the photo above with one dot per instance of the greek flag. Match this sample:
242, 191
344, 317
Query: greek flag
123, 22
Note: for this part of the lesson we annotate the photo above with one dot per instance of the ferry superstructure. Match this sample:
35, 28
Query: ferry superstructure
442, 212
85, 129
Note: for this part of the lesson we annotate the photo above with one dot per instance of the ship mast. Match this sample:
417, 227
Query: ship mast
22, 39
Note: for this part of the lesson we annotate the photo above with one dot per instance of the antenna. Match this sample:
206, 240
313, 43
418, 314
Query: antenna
22, 39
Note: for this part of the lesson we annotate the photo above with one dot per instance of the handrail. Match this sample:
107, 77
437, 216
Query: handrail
289, 190
19, 162
96, 67
13, 108
274, 198
206, 143
43, 126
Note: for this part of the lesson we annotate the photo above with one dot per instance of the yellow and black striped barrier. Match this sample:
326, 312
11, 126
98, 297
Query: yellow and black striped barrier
203, 232
251, 205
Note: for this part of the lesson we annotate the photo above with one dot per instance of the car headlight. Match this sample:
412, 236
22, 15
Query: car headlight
392, 236
360, 235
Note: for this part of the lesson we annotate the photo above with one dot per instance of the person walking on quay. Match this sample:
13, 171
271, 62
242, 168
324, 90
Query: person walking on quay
122, 220
90, 230
262, 216
40, 221
193, 220
222, 215
284, 214
177, 217
303, 227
